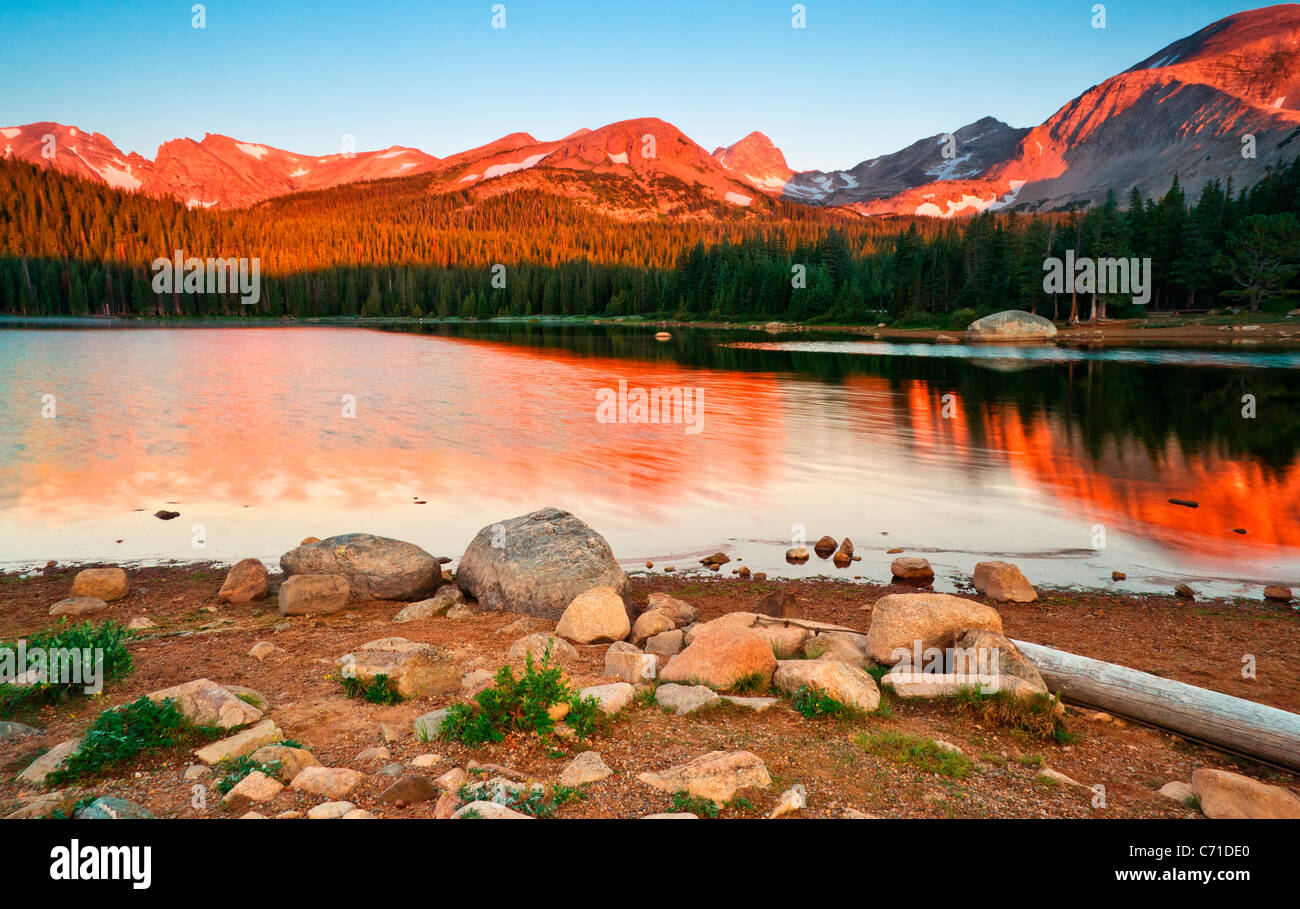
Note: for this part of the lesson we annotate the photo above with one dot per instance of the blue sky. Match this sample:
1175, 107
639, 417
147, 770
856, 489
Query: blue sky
862, 79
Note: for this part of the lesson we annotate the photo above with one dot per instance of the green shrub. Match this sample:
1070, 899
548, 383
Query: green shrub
521, 704
108, 640
813, 704
379, 690
684, 802
119, 734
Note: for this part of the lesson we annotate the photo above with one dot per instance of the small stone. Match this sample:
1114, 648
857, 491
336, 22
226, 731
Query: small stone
426, 726
1003, 581
110, 807
1118, 576
75, 606
612, 698
328, 782
796, 556
716, 775
631, 667
246, 742
912, 570
1277, 593
425, 760
141, 623
197, 772
329, 811
264, 650
1182, 591
256, 787
374, 755
824, 547
666, 643
1224, 794
683, 699
490, 811
793, 799
587, 767
409, 790
471, 683
1178, 791
452, 780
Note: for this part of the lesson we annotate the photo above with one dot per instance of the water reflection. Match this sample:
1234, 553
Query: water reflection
245, 428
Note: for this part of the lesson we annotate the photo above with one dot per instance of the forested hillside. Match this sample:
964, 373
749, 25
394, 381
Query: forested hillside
390, 248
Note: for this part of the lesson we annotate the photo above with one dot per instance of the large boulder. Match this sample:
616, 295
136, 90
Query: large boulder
246, 581
847, 684
995, 654
1003, 581
1224, 794
77, 606
720, 656
595, 616
376, 568
107, 584
905, 621
205, 703
1011, 325
785, 640
313, 594
537, 563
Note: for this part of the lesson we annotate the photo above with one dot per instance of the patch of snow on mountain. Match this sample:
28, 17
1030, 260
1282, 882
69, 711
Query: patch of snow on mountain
300, 172
391, 154
738, 199
1010, 197
771, 182
620, 158
948, 170
500, 170
10, 131
850, 181
468, 178
257, 151
118, 179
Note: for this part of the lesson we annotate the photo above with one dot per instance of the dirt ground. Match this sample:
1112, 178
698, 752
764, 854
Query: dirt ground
197, 636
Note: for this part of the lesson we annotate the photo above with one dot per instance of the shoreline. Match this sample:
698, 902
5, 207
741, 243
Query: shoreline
1241, 329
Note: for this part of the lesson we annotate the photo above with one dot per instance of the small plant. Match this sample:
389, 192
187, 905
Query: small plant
119, 734
754, 683
379, 690
1036, 716
814, 704
921, 753
230, 771
522, 704
684, 802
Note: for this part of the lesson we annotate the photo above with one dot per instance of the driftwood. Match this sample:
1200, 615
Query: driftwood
1210, 716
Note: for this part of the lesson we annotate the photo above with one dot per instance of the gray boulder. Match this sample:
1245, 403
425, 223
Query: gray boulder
537, 564
377, 568
1011, 325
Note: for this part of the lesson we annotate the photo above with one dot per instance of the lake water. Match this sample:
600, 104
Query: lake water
262, 436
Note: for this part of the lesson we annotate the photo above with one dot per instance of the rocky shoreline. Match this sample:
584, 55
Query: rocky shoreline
729, 695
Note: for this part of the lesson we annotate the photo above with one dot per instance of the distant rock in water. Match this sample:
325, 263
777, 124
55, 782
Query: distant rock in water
1011, 325
537, 564
165, 515
824, 547
376, 568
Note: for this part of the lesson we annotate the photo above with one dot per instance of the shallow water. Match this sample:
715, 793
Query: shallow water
1034, 453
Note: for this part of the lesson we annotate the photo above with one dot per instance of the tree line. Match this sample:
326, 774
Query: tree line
392, 249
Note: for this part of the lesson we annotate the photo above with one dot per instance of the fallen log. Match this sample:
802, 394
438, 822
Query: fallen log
1210, 716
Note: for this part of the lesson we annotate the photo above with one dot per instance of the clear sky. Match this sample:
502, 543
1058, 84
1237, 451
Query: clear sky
862, 79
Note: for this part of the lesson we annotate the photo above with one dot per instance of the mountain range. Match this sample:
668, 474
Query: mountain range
1221, 103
